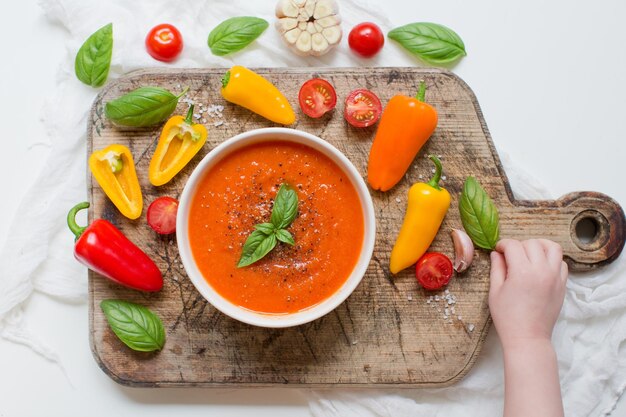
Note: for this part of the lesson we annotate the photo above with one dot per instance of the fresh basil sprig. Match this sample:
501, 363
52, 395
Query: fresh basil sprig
433, 43
145, 106
235, 34
138, 327
93, 59
265, 237
479, 215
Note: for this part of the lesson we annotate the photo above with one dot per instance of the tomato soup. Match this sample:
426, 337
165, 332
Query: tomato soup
238, 192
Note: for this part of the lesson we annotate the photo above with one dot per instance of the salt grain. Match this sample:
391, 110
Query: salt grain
470, 327
398, 200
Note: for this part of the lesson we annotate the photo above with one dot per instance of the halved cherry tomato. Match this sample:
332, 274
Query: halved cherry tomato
317, 97
162, 215
366, 39
433, 270
362, 108
164, 42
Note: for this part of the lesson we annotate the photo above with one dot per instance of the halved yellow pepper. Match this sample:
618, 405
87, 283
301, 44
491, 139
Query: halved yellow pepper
250, 90
180, 141
114, 169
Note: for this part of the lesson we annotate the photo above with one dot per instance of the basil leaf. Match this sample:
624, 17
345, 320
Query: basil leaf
139, 328
256, 247
93, 59
267, 228
145, 106
235, 34
285, 237
285, 207
479, 215
431, 42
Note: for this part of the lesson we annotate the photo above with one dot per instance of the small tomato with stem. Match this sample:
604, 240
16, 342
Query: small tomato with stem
164, 42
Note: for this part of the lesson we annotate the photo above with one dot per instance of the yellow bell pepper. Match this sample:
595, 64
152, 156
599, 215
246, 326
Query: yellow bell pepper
250, 90
114, 169
427, 206
180, 141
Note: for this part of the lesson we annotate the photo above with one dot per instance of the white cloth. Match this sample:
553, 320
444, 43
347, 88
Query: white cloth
589, 336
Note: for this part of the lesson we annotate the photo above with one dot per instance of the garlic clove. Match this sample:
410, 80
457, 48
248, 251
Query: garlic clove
332, 35
286, 8
286, 24
329, 21
292, 36
463, 250
319, 44
303, 44
325, 8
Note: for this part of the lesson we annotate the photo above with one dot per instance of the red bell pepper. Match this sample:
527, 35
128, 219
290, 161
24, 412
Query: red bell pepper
104, 249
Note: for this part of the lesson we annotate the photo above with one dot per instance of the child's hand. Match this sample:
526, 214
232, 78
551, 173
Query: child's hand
527, 289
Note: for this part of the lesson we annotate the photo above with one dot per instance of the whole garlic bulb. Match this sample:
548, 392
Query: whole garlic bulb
309, 27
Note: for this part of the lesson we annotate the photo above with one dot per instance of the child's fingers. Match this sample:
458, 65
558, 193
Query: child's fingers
564, 271
497, 274
554, 253
513, 251
534, 250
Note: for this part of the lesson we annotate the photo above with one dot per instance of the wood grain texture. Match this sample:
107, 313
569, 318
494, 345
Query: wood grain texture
386, 333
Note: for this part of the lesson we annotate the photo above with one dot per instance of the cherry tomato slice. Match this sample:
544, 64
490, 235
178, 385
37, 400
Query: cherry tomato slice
162, 215
164, 42
362, 108
317, 97
433, 270
366, 39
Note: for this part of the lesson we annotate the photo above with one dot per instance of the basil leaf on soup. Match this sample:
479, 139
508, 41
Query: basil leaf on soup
256, 247
135, 325
93, 59
285, 237
285, 207
266, 236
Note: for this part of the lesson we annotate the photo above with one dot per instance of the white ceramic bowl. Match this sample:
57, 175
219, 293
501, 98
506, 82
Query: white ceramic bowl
268, 319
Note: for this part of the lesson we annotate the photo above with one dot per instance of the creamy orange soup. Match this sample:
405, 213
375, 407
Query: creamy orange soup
238, 192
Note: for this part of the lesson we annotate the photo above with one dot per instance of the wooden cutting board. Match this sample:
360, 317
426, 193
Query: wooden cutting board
389, 332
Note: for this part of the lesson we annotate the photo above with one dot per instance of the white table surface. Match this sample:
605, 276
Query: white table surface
548, 76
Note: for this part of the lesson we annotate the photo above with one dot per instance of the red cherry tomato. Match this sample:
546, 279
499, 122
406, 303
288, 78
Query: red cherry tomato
162, 215
366, 39
362, 108
317, 97
164, 42
433, 270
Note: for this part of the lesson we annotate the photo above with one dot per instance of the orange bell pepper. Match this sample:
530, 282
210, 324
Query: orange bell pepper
114, 169
405, 126
180, 141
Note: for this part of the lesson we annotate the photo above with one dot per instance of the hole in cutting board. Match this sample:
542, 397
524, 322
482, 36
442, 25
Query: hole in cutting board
587, 230
590, 230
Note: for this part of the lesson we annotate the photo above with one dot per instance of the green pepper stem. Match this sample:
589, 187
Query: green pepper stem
421, 93
434, 181
189, 118
71, 219
225, 79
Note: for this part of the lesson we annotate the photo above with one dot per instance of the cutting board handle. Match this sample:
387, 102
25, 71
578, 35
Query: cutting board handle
590, 226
